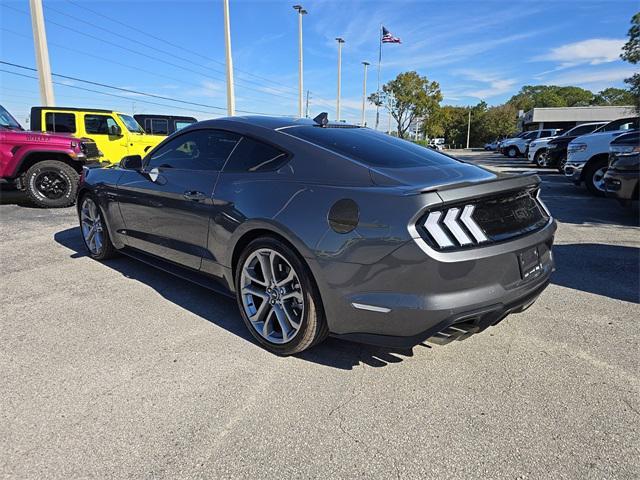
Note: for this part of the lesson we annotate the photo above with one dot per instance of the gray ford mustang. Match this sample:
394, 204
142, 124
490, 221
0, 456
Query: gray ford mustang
319, 228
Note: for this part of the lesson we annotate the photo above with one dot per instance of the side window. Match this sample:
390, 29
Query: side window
254, 156
180, 124
60, 122
157, 126
99, 124
545, 133
196, 150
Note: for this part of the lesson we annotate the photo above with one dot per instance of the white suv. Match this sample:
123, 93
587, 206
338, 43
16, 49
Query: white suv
538, 148
588, 155
517, 146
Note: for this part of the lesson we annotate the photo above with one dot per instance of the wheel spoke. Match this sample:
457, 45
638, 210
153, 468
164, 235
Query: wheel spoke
267, 322
251, 275
290, 276
265, 264
259, 316
253, 290
293, 294
291, 318
283, 322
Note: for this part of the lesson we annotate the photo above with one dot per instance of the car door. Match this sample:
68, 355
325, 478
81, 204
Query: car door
166, 207
108, 135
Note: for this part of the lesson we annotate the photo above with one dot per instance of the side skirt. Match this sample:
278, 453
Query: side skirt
179, 271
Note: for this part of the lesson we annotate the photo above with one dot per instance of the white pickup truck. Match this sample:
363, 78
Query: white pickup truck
588, 155
518, 146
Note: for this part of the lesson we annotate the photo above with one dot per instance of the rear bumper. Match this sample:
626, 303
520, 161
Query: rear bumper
410, 295
622, 185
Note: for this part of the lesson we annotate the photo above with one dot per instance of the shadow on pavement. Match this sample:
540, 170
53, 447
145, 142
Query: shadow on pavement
223, 311
10, 196
609, 270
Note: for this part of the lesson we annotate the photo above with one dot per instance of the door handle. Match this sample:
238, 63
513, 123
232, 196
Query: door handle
195, 196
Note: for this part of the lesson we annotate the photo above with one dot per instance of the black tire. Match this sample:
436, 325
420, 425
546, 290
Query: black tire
51, 184
593, 173
512, 152
541, 159
107, 250
313, 325
561, 165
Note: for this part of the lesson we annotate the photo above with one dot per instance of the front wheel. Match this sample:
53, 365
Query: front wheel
94, 230
594, 177
278, 299
51, 184
512, 152
542, 159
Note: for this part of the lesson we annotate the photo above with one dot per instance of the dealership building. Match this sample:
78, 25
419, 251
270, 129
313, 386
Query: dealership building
567, 117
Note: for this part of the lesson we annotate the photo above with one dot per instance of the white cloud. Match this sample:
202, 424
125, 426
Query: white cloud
593, 51
493, 84
594, 80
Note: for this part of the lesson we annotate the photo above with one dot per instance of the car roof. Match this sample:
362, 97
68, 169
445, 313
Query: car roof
269, 122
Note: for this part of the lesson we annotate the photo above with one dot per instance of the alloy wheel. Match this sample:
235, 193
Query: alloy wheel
542, 159
91, 225
598, 179
51, 184
272, 296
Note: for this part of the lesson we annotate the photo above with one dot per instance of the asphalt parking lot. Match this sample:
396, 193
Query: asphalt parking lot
119, 370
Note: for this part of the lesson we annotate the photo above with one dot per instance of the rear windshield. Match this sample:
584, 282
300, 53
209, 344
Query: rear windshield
372, 148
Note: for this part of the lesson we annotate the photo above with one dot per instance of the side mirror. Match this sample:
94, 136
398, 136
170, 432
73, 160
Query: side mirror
115, 130
131, 162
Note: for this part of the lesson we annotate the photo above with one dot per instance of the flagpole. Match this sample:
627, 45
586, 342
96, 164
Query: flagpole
378, 90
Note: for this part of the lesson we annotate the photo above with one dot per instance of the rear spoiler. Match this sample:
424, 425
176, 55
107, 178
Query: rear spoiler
504, 182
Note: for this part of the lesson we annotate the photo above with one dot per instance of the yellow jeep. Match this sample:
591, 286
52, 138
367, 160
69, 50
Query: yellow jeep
116, 134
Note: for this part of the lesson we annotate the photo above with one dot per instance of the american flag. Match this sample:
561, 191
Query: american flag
387, 37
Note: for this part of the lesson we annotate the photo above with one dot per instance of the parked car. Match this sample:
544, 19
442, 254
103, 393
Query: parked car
537, 150
319, 228
163, 124
555, 155
436, 143
518, 146
492, 146
45, 166
116, 134
623, 175
588, 155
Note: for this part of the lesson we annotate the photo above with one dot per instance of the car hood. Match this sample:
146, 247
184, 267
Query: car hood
431, 176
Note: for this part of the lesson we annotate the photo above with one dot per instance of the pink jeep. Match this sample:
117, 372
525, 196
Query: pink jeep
46, 166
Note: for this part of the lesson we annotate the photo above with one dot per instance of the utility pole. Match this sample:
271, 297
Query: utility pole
307, 109
42, 53
468, 129
301, 12
340, 42
231, 98
364, 93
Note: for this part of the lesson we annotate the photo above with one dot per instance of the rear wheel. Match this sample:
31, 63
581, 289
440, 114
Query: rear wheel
594, 177
278, 299
51, 184
94, 230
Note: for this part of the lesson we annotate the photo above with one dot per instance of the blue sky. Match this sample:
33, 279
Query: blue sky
476, 50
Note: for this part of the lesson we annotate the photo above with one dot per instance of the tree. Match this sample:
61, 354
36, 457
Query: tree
631, 53
407, 98
537, 96
614, 96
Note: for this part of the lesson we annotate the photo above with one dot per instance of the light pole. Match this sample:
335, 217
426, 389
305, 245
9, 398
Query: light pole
301, 12
340, 42
231, 99
468, 129
42, 53
364, 92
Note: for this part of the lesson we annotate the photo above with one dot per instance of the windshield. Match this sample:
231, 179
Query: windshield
131, 123
372, 148
622, 124
7, 121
